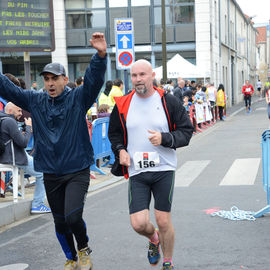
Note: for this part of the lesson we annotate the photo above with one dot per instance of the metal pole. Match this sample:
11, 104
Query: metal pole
125, 71
1, 66
126, 81
26, 59
268, 44
164, 49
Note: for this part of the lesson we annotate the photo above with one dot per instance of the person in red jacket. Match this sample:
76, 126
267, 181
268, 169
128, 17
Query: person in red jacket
248, 91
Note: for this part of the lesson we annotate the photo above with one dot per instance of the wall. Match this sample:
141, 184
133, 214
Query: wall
60, 53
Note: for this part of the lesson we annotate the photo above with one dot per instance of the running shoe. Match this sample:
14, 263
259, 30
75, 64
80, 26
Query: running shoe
153, 253
167, 266
71, 265
43, 209
84, 259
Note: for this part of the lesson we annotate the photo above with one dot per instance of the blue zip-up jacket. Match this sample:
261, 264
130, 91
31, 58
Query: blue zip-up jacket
61, 138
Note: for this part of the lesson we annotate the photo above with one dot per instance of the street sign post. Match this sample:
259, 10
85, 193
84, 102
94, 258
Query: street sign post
124, 42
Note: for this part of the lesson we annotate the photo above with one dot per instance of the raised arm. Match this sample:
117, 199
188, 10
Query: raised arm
95, 73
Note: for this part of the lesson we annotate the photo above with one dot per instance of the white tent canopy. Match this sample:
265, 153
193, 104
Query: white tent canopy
180, 67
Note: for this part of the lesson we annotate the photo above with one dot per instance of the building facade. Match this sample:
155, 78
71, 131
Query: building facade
262, 42
213, 34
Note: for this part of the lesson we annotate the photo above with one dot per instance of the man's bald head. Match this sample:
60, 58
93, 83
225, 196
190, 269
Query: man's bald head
142, 77
142, 62
181, 83
14, 110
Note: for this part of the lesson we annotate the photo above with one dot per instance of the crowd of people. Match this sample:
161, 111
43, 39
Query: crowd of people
203, 102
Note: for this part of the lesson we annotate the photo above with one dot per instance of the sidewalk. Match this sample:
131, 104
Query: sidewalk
11, 212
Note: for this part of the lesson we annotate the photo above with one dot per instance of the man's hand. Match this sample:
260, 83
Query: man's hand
155, 138
124, 157
99, 43
28, 121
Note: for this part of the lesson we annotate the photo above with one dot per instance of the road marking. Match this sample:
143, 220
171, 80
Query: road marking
190, 170
242, 172
18, 266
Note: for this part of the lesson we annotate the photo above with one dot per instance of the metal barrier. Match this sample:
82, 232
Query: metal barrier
101, 143
266, 171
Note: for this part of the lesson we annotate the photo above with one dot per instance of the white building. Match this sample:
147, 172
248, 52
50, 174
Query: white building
225, 45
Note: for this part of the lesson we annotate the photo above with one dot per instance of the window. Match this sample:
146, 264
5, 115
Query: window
176, 11
86, 14
76, 20
117, 3
184, 14
96, 18
168, 15
95, 3
136, 3
71, 4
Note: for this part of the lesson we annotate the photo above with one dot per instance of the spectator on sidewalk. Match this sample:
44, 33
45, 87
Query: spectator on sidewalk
178, 91
71, 85
169, 86
248, 91
79, 81
221, 99
104, 97
34, 85
18, 140
103, 111
212, 97
116, 91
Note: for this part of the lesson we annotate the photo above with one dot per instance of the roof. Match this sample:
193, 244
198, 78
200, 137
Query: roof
262, 34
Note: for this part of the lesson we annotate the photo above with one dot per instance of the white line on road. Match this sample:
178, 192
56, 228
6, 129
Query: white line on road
18, 266
242, 172
186, 174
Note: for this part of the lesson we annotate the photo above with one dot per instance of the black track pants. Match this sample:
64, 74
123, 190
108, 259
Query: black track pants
66, 196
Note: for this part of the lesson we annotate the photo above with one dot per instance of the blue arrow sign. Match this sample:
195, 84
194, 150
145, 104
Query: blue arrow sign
124, 41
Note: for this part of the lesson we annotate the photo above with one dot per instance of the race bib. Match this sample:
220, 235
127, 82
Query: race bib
248, 90
144, 160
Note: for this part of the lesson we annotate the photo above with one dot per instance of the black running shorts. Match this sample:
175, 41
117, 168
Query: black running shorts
142, 185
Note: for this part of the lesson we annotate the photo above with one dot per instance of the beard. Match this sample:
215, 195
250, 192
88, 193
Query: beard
141, 89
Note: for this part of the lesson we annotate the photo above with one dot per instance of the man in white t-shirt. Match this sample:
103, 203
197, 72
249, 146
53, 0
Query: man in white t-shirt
146, 127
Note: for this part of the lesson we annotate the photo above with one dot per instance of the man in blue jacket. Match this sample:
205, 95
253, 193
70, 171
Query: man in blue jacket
63, 151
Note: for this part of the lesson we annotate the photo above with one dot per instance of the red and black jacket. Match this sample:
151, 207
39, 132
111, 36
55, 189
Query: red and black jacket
179, 125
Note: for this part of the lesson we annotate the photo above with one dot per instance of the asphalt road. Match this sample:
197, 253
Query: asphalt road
221, 168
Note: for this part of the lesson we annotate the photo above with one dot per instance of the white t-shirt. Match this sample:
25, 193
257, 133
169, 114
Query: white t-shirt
211, 93
147, 114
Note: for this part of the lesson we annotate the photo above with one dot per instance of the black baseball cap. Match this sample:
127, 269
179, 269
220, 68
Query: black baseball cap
54, 68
